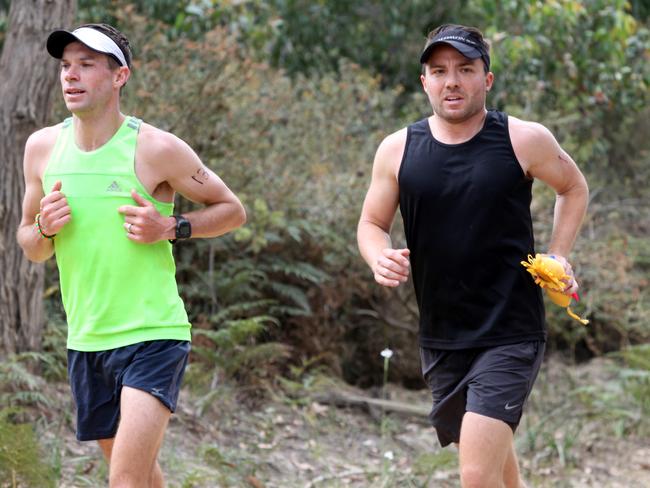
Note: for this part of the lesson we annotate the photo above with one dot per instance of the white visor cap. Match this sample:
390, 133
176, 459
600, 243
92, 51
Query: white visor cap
91, 38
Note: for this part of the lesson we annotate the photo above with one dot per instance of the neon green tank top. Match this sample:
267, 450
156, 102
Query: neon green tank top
115, 292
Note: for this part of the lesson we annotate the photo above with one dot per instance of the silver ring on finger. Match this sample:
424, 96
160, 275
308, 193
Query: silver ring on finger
129, 228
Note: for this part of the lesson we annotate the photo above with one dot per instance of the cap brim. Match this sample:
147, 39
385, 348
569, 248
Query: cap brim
91, 38
467, 51
57, 41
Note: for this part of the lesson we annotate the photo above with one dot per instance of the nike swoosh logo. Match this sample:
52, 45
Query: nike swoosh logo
510, 407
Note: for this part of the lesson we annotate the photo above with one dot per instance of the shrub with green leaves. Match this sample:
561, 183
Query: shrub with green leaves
21, 459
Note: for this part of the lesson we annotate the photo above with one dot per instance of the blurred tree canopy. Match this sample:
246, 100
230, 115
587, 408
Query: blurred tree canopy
288, 100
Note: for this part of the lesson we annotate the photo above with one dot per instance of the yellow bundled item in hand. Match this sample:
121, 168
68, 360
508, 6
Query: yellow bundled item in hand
549, 273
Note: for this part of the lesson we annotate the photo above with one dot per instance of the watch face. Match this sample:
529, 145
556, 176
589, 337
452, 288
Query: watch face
183, 229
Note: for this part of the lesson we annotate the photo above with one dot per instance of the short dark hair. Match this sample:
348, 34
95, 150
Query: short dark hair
118, 38
472, 32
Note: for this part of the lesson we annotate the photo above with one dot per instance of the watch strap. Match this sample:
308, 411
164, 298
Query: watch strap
183, 228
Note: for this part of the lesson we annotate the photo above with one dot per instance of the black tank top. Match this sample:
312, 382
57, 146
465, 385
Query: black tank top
466, 212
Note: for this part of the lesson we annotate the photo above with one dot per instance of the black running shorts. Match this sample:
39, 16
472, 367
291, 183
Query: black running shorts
97, 378
491, 381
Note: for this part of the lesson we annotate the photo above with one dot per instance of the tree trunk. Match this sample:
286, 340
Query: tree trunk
27, 82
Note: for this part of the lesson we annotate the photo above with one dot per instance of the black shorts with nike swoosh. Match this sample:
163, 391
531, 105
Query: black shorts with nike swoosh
491, 381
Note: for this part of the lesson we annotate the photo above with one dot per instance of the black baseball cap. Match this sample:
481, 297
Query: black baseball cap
466, 43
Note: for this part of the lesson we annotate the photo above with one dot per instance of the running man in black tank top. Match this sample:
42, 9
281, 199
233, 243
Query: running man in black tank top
462, 179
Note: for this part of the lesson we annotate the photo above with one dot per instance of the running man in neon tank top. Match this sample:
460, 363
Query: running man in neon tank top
99, 196
462, 179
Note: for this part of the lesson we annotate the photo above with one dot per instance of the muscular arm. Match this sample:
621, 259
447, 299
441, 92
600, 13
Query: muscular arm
171, 163
53, 208
570, 206
390, 266
544, 159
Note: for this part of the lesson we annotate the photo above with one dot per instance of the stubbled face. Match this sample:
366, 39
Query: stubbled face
87, 81
456, 86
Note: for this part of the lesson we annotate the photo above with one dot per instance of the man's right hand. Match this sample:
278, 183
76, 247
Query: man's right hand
392, 267
54, 210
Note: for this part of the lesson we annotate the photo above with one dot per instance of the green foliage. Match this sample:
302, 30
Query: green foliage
264, 287
19, 384
300, 36
383, 36
181, 17
21, 459
24, 395
579, 67
640, 9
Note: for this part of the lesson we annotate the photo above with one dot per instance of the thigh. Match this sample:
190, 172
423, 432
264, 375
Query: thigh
485, 445
139, 436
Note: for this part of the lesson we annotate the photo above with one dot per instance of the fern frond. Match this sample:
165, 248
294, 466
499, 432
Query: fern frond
15, 375
301, 270
293, 293
240, 309
238, 331
288, 311
244, 329
24, 398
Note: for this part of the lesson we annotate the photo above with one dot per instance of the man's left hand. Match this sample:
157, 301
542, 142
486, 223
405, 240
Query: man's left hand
570, 282
143, 223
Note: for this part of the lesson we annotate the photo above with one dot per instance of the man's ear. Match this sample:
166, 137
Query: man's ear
489, 80
122, 75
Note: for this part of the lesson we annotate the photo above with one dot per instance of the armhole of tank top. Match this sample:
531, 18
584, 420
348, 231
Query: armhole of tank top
55, 149
506, 123
406, 147
136, 124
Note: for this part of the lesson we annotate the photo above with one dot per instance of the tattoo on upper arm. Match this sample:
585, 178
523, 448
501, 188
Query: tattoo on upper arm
201, 175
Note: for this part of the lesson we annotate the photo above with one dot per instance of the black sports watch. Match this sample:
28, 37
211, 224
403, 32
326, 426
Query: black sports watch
183, 228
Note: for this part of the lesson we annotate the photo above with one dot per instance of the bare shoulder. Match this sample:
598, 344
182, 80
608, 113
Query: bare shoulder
531, 141
524, 132
162, 156
390, 151
393, 144
43, 140
38, 148
159, 145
